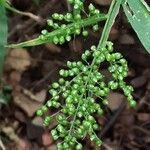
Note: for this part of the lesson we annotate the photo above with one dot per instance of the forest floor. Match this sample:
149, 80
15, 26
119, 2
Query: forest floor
30, 71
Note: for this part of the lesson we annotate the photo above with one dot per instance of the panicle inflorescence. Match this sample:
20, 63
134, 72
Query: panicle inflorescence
80, 94
72, 23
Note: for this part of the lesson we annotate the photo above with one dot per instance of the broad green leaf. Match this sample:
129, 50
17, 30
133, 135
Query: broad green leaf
138, 14
3, 34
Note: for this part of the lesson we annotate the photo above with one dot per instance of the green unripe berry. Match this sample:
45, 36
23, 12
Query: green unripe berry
87, 53
98, 142
55, 40
47, 120
55, 16
61, 81
92, 137
93, 48
62, 72
59, 146
55, 85
68, 38
132, 103
95, 126
84, 57
63, 26
79, 147
77, 16
105, 102
44, 32
87, 124
79, 114
69, 64
113, 85
55, 26
44, 109
77, 31
53, 92
110, 46
96, 11
65, 146
50, 22
39, 112
68, 16
95, 28
85, 33
91, 8
100, 112
49, 103
61, 40
61, 17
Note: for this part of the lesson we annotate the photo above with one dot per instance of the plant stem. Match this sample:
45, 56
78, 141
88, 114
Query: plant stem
112, 13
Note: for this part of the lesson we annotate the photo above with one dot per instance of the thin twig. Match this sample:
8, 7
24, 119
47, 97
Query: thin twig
113, 119
2, 145
107, 147
28, 14
135, 127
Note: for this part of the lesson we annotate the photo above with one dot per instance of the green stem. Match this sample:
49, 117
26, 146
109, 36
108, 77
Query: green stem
112, 13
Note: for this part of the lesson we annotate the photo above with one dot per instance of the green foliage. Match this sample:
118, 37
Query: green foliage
3, 34
79, 99
82, 90
138, 14
69, 24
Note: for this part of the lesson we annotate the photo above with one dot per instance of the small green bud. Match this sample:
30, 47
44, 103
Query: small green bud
55, 16
79, 147
61, 81
132, 103
91, 8
55, 85
68, 38
50, 22
95, 28
85, 33
61, 40
55, 40
98, 142
77, 31
39, 112
44, 32
78, 16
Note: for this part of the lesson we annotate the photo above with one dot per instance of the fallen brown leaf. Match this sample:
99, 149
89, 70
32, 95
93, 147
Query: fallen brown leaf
18, 59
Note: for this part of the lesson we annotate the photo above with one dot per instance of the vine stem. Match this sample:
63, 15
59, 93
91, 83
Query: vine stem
112, 14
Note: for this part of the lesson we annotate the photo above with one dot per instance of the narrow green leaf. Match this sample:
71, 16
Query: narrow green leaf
3, 35
138, 14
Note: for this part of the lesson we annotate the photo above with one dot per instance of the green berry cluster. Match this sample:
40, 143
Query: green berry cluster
72, 23
80, 94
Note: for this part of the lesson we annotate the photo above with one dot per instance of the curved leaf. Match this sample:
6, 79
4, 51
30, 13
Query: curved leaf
138, 14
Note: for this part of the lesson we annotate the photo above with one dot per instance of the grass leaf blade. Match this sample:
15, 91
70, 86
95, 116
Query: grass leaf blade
3, 36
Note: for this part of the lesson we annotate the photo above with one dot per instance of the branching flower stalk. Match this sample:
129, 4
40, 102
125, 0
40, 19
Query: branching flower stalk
64, 26
82, 90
